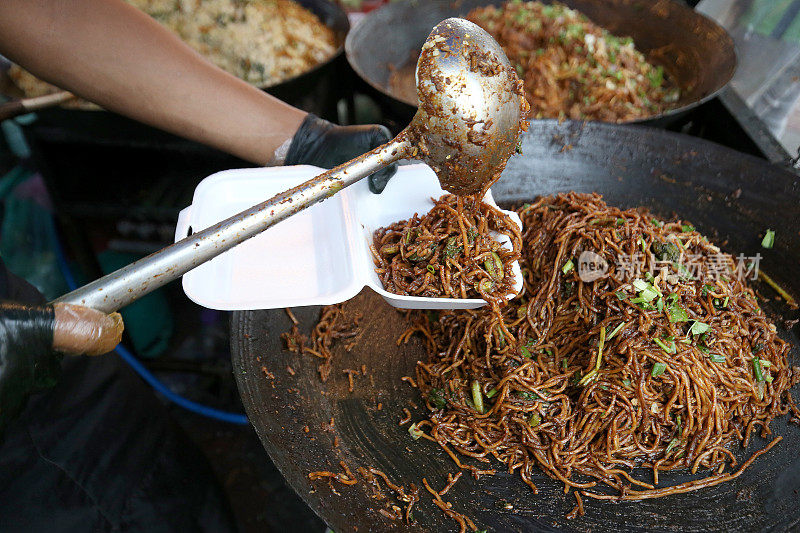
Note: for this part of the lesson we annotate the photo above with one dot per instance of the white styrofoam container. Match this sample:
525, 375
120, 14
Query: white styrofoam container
319, 256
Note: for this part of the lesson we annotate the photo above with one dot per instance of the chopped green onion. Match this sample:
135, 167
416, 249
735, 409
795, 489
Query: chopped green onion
616, 330
568, 266
769, 239
494, 266
698, 328
649, 294
640, 284
431, 269
757, 369
626, 382
415, 432
588, 377
477, 396
658, 369
667, 349
621, 295
660, 304
768, 378
671, 445
716, 358
535, 420
686, 228
525, 352
492, 393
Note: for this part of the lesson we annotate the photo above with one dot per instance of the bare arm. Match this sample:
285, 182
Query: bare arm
116, 56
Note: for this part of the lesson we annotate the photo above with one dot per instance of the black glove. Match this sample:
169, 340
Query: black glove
27, 360
323, 144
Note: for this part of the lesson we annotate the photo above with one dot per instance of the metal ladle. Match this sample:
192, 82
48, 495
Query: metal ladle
466, 128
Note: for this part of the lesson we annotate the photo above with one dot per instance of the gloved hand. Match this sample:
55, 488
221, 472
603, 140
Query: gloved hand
32, 339
321, 143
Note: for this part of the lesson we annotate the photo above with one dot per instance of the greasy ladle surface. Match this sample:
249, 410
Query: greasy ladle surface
467, 126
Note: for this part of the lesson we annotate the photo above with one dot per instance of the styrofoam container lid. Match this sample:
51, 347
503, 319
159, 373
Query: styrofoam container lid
319, 256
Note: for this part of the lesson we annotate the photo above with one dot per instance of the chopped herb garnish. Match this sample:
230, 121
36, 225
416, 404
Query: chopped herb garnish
677, 313
698, 328
769, 239
568, 266
492, 393
431, 269
414, 431
535, 420
616, 330
668, 348
671, 445
716, 358
626, 382
436, 397
621, 295
686, 228
525, 352
658, 369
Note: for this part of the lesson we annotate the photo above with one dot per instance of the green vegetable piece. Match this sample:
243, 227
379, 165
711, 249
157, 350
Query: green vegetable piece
436, 397
616, 330
698, 328
494, 266
677, 313
769, 239
671, 445
477, 396
757, 369
535, 420
525, 352
431, 269
658, 369
415, 432
667, 348
389, 249
453, 248
621, 295
686, 228
568, 266
484, 285
492, 393
666, 251
716, 358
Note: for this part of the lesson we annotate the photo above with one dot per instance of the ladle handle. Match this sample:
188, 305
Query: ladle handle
120, 288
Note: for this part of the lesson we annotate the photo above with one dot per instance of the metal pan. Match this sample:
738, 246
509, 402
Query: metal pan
729, 196
306, 90
693, 49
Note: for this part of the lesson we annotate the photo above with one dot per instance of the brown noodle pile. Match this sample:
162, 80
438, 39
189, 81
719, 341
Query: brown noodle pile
449, 252
573, 68
664, 368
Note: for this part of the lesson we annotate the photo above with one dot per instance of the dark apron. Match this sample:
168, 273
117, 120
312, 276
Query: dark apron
100, 452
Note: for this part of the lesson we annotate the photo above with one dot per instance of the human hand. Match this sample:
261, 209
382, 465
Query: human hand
32, 339
321, 143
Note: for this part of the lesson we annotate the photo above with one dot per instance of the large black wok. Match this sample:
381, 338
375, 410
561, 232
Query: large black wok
729, 196
693, 49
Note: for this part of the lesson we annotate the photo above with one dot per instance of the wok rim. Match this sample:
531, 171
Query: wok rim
349, 49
